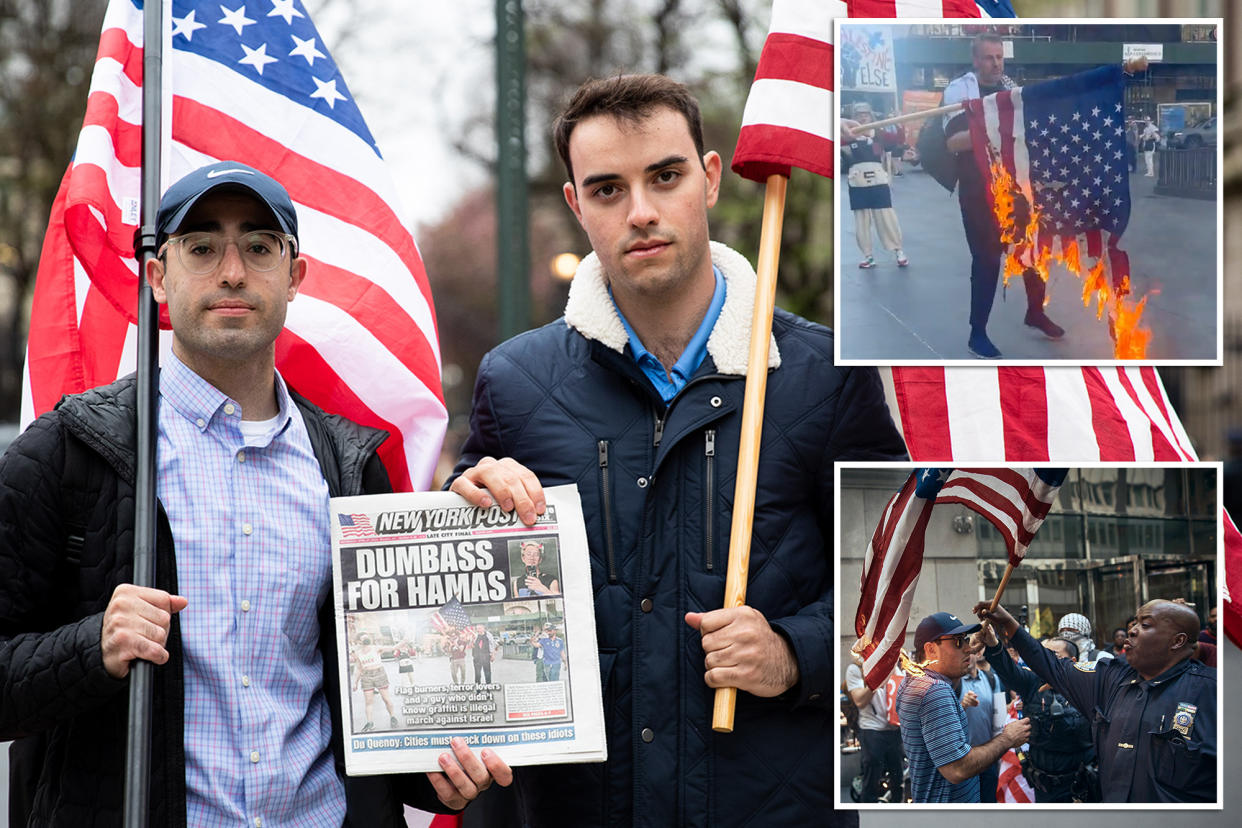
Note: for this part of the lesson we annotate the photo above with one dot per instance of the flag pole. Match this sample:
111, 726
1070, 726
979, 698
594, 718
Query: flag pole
1131, 66
141, 673
752, 422
1000, 590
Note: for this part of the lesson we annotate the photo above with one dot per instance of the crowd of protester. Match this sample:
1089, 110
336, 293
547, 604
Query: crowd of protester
968, 718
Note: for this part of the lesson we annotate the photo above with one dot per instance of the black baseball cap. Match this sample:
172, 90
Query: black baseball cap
185, 193
938, 625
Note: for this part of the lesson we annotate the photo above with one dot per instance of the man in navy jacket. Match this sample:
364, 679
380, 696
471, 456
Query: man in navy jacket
636, 396
1154, 718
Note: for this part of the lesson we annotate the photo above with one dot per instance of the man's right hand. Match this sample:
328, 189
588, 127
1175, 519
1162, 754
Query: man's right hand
512, 485
135, 625
970, 699
1006, 623
1017, 732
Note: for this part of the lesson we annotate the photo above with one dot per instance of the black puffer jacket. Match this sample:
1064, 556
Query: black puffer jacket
67, 714
657, 486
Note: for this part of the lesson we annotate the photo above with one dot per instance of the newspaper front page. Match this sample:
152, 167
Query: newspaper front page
460, 621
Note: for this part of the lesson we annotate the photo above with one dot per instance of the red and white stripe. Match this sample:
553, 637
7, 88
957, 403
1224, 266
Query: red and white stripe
1015, 501
360, 339
1035, 415
890, 574
1012, 785
788, 117
915, 8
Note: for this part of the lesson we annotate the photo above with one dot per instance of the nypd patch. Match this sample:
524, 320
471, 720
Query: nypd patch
1086, 667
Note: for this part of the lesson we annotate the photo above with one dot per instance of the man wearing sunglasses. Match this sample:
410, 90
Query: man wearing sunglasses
247, 725
943, 765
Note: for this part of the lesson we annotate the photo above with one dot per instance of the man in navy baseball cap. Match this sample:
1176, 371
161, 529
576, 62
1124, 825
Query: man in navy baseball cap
181, 197
944, 766
940, 625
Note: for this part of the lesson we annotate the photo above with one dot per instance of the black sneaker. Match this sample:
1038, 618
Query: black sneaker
1040, 321
982, 347
368, 727
395, 723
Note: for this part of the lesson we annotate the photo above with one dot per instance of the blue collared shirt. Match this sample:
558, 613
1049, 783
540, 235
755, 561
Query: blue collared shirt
669, 383
249, 518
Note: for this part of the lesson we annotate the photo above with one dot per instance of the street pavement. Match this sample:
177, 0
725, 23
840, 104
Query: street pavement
921, 312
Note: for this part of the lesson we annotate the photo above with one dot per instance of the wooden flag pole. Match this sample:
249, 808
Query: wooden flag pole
1000, 590
752, 422
1130, 66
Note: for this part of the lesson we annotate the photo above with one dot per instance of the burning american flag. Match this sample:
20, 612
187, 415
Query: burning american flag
1054, 155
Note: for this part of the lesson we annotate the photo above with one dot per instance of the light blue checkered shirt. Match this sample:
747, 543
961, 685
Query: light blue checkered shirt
249, 519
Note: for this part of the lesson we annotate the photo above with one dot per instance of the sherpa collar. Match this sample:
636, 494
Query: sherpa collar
591, 312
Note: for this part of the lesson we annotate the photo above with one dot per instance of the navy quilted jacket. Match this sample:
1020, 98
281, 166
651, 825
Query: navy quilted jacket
568, 401
67, 714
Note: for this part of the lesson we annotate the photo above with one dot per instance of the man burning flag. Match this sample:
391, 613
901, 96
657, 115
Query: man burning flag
1015, 501
1053, 156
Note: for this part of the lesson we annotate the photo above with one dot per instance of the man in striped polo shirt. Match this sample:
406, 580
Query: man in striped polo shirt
943, 765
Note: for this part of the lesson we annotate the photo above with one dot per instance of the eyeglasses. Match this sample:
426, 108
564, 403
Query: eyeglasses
960, 639
261, 251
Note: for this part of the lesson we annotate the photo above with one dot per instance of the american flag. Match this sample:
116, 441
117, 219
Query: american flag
1035, 415
1063, 144
1233, 581
355, 526
452, 616
891, 571
251, 81
1015, 501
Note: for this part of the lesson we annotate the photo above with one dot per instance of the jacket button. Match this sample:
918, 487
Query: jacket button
716, 402
646, 605
648, 734
642, 482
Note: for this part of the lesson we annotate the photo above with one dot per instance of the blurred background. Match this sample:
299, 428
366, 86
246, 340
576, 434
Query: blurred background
425, 77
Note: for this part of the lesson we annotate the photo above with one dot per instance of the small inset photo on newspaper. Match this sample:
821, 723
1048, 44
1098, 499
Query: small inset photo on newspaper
457, 621
1041, 637
1033, 191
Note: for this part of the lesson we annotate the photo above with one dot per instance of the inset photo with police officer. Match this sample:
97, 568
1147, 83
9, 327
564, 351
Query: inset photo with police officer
1030, 636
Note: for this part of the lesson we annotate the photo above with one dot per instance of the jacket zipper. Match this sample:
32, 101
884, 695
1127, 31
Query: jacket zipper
605, 488
709, 497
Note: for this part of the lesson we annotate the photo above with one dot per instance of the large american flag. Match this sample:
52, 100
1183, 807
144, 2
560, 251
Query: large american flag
1062, 144
251, 81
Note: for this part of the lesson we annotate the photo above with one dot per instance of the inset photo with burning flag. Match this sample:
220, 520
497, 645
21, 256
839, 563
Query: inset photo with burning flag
1028, 636
1038, 191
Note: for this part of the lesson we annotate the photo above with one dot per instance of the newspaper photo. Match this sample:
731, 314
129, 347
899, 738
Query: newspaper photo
453, 620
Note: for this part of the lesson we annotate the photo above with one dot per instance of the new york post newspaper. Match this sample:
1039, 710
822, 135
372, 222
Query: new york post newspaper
460, 621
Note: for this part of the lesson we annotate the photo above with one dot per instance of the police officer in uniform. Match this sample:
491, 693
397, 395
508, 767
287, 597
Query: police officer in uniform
1059, 762
1154, 718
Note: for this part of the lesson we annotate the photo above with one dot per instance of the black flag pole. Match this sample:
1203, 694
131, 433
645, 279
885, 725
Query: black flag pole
141, 677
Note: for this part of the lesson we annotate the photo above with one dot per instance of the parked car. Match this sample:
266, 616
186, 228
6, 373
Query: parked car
1202, 134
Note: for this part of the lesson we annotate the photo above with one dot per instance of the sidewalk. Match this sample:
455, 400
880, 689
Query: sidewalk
921, 312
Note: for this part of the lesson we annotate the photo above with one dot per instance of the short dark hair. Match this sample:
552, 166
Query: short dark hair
1069, 645
985, 37
626, 97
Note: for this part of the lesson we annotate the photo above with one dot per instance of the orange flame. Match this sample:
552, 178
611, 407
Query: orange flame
1130, 339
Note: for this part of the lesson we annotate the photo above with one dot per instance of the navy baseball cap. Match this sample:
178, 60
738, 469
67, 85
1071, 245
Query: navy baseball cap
183, 195
937, 625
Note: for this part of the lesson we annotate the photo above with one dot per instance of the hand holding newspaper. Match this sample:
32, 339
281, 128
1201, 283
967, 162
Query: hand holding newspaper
458, 621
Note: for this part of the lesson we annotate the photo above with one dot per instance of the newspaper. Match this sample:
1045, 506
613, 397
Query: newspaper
458, 621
